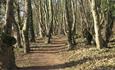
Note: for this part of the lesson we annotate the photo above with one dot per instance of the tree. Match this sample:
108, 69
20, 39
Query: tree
31, 27
18, 25
103, 22
107, 19
71, 23
51, 18
6, 36
95, 14
25, 28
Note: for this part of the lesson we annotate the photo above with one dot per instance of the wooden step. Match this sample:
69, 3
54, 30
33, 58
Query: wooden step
48, 49
46, 45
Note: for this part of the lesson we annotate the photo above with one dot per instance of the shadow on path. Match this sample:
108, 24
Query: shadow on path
51, 67
68, 64
58, 66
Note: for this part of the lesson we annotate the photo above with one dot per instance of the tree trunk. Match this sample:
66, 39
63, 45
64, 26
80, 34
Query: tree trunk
26, 28
31, 27
3, 56
71, 23
50, 10
108, 23
95, 14
10, 57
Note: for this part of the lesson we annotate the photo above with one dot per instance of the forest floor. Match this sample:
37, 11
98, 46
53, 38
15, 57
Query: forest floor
43, 56
55, 56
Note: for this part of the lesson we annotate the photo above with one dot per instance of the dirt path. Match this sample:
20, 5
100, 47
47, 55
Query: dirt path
45, 58
41, 61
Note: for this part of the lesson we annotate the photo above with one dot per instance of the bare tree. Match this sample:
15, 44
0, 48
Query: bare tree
50, 10
31, 27
98, 38
71, 24
7, 38
25, 28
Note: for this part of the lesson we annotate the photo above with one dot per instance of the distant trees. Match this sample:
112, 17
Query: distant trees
69, 18
87, 29
48, 18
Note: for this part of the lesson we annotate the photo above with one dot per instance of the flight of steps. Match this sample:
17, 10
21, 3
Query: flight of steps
56, 45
